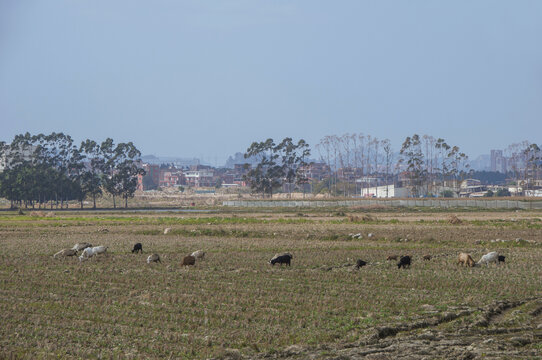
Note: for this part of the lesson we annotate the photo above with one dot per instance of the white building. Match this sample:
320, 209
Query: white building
199, 178
385, 191
533, 193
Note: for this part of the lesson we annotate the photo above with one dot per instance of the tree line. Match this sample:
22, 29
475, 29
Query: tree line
50, 170
426, 163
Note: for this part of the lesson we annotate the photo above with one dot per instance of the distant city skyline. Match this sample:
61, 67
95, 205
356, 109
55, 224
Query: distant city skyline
205, 79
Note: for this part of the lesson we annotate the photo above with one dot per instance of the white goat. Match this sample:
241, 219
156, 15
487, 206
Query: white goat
90, 252
153, 258
166, 230
86, 254
99, 249
488, 258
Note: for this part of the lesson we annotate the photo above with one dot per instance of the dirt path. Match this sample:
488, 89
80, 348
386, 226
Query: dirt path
503, 330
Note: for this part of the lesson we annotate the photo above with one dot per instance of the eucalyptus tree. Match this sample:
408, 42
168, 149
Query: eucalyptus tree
443, 149
412, 156
324, 150
120, 169
533, 163
303, 152
91, 176
58, 151
292, 158
515, 153
266, 175
388, 154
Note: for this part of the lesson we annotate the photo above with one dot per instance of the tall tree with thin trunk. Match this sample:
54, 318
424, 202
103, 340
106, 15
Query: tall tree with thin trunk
412, 156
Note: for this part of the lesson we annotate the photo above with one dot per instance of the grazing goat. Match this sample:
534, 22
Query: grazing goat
81, 246
502, 258
154, 258
90, 252
427, 257
166, 230
188, 260
360, 263
465, 259
392, 257
404, 261
137, 247
489, 257
99, 249
86, 254
281, 259
198, 254
65, 252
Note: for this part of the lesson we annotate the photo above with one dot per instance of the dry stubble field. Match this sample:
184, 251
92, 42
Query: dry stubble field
234, 304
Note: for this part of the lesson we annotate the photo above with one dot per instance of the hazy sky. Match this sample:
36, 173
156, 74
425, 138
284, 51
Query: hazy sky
206, 78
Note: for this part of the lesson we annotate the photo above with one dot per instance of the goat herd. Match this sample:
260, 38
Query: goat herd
88, 251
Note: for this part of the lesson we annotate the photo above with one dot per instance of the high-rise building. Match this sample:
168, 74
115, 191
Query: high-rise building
498, 161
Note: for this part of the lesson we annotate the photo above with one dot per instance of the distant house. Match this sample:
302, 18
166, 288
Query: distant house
472, 188
200, 178
315, 171
151, 179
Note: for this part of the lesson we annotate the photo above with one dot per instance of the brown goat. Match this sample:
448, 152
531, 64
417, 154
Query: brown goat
465, 259
392, 257
188, 260
427, 257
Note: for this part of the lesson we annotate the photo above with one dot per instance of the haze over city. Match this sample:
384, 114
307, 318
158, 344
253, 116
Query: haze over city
205, 79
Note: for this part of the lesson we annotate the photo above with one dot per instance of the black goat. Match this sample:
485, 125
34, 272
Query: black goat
281, 259
360, 263
137, 247
404, 261
501, 258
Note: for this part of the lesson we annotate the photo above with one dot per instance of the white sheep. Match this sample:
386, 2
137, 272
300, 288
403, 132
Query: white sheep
198, 254
166, 230
488, 258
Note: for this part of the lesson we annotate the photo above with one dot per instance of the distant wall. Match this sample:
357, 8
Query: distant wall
436, 203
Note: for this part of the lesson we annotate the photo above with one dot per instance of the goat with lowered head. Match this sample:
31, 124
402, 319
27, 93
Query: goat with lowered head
188, 260
465, 259
488, 258
404, 261
137, 247
153, 258
91, 251
284, 258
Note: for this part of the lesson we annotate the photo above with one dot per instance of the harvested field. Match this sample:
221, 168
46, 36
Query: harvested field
234, 304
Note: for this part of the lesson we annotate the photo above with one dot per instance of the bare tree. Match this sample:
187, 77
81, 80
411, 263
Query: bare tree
386, 145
